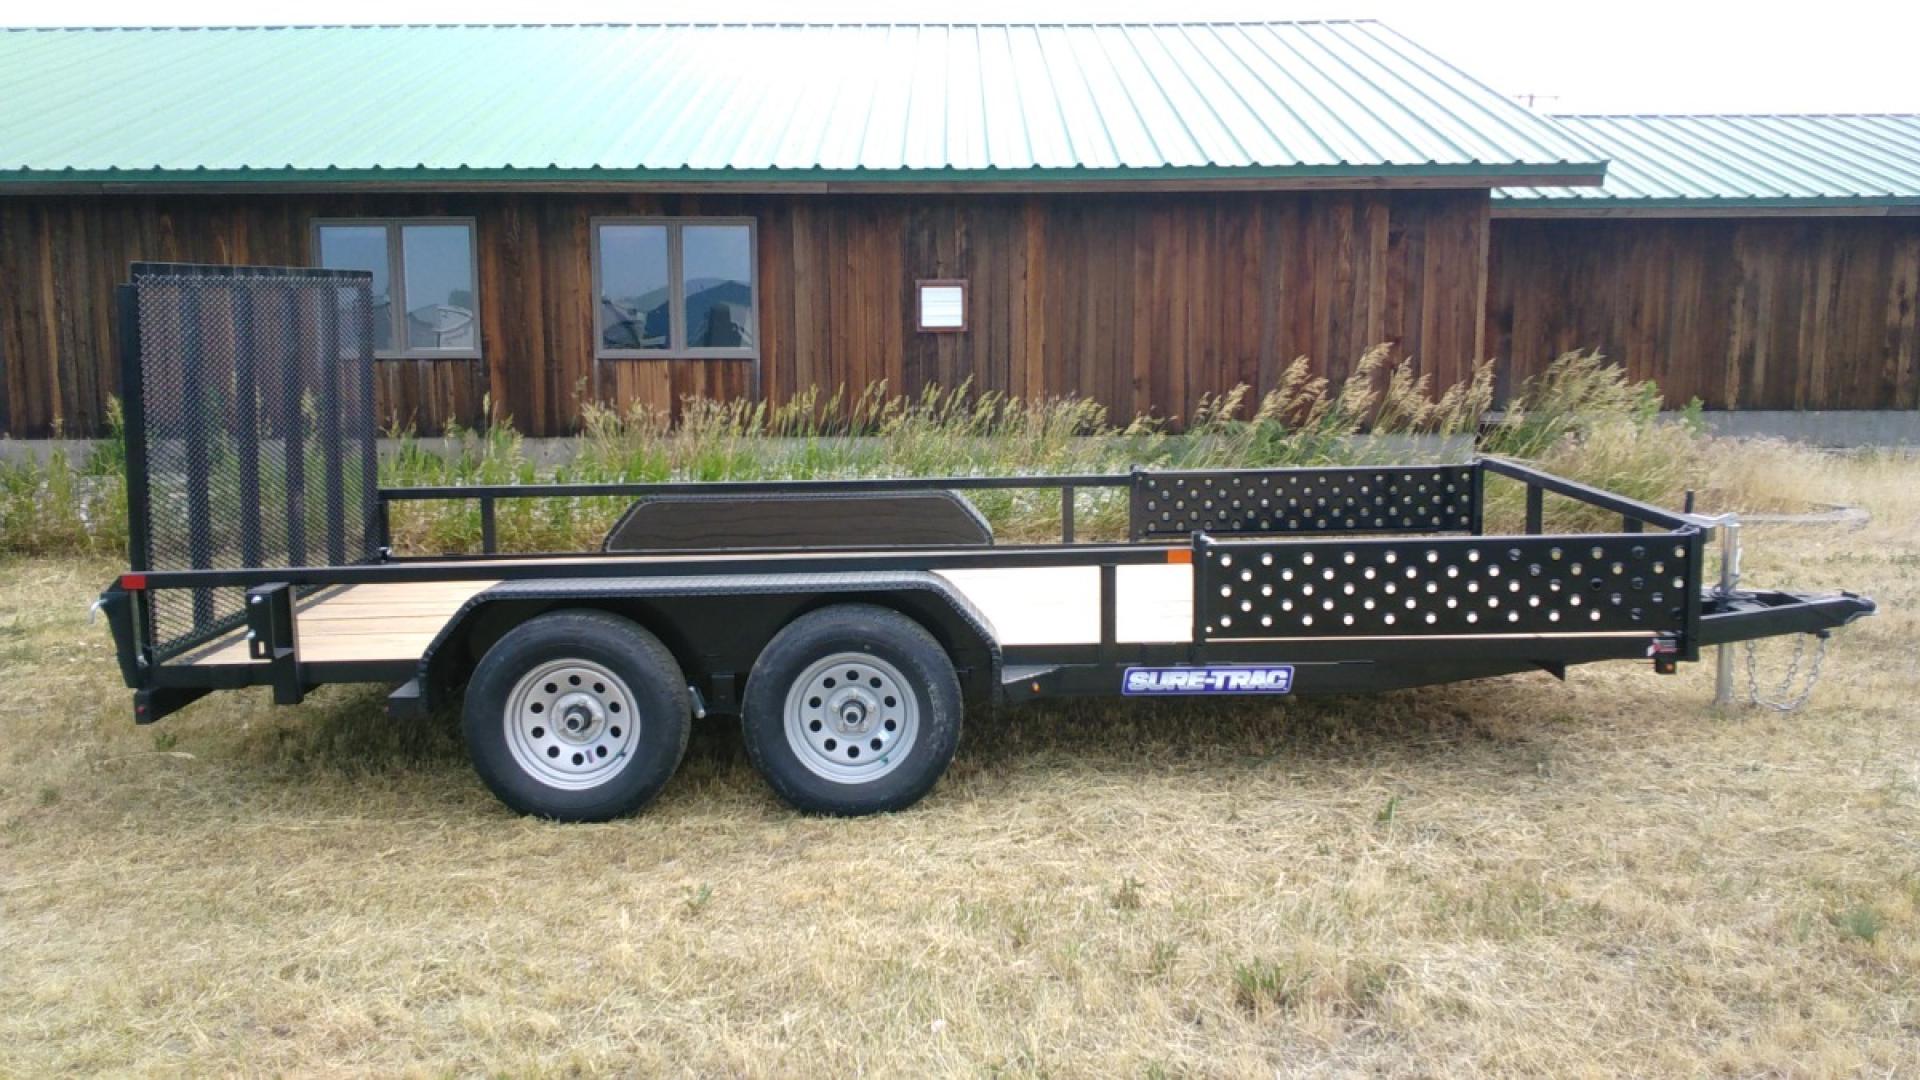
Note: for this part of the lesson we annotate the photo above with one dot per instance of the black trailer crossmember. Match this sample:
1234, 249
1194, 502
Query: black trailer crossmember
258, 556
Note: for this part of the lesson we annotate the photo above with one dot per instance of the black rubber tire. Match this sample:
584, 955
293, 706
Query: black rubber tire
877, 631
621, 645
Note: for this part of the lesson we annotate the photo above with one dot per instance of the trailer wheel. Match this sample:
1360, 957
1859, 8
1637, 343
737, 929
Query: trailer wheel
577, 716
852, 709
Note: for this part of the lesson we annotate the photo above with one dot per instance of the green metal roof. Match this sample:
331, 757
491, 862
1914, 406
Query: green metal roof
764, 102
1742, 161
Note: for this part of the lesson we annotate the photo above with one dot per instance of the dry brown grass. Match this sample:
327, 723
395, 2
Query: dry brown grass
1514, 877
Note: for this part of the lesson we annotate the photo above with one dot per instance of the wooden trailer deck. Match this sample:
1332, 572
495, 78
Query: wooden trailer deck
1025, 605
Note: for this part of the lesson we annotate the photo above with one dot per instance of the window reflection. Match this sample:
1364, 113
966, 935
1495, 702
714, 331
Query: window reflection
437, 261
430, 310
363, 247
674, 287
634, 287
717, 271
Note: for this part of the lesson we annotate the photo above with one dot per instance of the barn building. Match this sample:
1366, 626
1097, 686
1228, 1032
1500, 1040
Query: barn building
1753, 262
1140, 214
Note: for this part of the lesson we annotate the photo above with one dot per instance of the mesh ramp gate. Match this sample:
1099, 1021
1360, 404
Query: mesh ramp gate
248, 394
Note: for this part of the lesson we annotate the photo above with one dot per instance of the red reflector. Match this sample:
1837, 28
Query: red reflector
1179, 555
133, 582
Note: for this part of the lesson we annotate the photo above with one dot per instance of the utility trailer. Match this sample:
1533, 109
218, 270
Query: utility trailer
845, 623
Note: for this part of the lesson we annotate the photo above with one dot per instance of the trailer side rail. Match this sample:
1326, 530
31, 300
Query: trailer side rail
1405, 590
1634, 514
1163, 506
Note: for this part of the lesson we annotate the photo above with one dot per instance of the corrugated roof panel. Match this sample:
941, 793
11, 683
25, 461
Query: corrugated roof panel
923, 129
1129, 115
1195, 95
1390, 125
1731, 159
1191, 62
1005, 124
1046, 121
867, 99
1178, 135
1346, 123
1233, 61
1055, 72
1319, 137
966, 101
1478, 120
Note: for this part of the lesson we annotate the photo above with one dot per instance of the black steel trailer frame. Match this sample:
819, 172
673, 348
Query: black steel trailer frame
1347, 579
1340, 661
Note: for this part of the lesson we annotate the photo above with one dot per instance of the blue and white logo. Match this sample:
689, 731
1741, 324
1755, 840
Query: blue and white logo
1208, 680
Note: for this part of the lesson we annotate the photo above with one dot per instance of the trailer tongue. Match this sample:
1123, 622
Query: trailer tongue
259, 554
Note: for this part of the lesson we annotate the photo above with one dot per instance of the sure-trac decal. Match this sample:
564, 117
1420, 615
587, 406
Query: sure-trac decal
1208, 680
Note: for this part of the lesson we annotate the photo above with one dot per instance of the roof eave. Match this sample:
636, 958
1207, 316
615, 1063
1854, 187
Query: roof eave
809, 181
1623, 207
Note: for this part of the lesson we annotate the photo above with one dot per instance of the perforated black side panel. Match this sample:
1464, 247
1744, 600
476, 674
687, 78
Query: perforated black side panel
1421, 498
1451, 585
249, 401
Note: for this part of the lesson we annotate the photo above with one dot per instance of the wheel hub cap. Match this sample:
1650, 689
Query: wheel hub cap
855, 713
581, 718
851, 717
571, 723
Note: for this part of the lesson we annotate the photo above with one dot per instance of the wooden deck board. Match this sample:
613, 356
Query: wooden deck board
1025, 605
363, 622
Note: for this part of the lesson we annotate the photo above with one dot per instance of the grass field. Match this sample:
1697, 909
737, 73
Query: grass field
1512, 877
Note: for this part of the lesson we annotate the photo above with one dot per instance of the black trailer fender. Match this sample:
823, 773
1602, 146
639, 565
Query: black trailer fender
716, 626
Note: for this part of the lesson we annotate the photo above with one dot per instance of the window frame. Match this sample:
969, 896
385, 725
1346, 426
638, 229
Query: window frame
920, 287
677, 348
397, 282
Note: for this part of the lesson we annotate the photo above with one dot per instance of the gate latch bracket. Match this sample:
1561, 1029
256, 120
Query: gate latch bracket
274, 636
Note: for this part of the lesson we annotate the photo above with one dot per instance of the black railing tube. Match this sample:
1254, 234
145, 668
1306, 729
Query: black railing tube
133, 417
198, 416
1586, 493
326, 387
1109, 607
753, 487
364, 422
293, 428
246, 417
574, 564
1477, 515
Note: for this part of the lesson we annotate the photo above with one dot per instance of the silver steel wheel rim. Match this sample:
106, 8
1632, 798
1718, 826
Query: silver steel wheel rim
851, 718
571, 724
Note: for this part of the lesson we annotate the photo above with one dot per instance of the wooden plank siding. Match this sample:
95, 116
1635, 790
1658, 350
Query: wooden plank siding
1144, 302
1808, 313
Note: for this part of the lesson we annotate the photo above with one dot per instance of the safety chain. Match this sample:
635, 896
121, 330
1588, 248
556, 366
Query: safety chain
1780, 702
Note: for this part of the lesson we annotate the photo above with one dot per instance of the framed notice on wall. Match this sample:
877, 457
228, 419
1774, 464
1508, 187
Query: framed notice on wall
943, 305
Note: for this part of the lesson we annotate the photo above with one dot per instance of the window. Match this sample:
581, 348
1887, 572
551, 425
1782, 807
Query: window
668, 287
423, 282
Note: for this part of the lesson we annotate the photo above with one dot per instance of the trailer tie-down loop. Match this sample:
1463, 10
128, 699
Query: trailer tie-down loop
1780, 701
